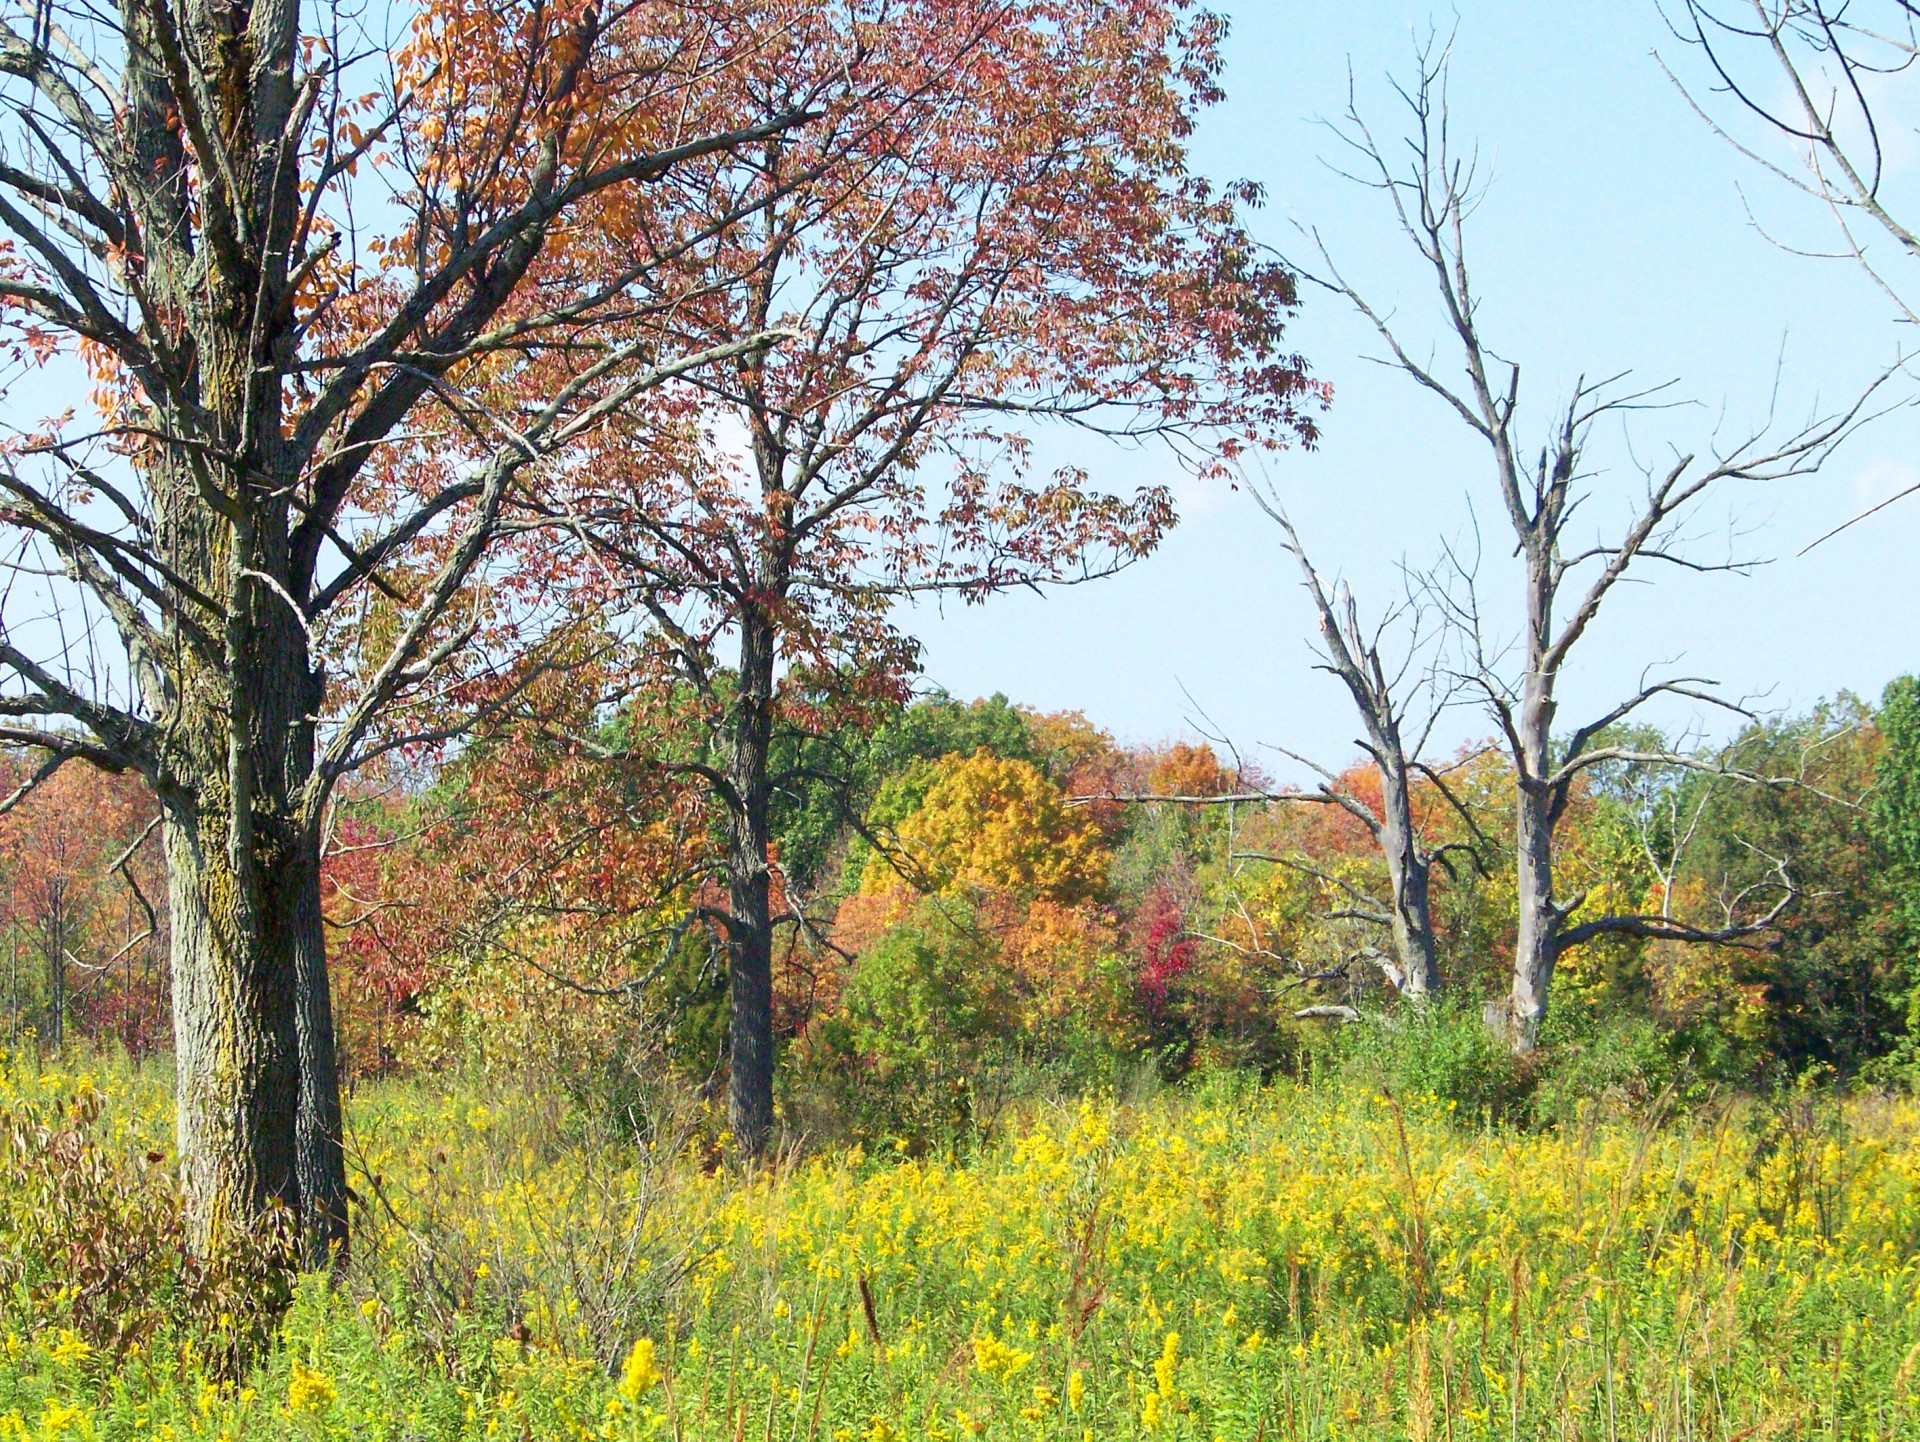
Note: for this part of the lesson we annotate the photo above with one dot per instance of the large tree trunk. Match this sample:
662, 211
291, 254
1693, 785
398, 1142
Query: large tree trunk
234, 1036
259, 1105
258, 1092
1409, 875
749, 891
1534, 946
258, 1098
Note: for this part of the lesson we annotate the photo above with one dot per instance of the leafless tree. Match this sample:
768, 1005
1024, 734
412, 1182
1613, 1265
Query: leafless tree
1810, 91
1389, 697
1564, 581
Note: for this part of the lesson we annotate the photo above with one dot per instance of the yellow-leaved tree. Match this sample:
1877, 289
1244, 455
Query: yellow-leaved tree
993, 823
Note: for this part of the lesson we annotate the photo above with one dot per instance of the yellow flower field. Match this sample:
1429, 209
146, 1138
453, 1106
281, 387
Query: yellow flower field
1233, 1263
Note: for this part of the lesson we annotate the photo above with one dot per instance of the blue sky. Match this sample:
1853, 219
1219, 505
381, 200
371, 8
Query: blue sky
1618, 233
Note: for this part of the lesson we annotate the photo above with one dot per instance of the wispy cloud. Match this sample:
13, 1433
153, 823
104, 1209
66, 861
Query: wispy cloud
1880, 481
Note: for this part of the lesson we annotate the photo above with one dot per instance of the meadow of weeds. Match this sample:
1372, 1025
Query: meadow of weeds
1300, 1261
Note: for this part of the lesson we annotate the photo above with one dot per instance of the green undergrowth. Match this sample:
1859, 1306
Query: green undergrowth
1221, 1261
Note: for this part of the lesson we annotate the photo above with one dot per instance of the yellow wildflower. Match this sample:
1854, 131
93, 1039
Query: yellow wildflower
640, 1373
309, 1391
70, 1348
994, 1358
61, 1418
1163, 1368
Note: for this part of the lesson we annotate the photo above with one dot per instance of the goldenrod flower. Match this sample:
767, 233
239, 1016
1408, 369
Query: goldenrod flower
1163, 1368
640, 1373
309, 1391
994, 1358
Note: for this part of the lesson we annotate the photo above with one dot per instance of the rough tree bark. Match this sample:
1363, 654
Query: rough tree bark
749, 923
258, 1104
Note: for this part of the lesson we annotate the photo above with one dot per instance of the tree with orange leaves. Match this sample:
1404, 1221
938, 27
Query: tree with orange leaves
331, 289
1011, 238
979, 935
74, 858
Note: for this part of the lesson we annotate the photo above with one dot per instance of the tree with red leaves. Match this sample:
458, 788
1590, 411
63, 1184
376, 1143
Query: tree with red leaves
338, 277
1008, 235
78, 859
1166, 951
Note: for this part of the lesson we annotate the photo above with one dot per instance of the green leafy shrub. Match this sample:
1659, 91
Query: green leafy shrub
1444, 1051
1615, 1060
916, 1050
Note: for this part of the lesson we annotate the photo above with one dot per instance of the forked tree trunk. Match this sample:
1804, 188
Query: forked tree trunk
258, 1100
749, 891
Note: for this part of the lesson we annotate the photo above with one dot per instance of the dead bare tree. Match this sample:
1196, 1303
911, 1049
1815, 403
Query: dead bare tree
1803, 89
1564, 582
1386, 696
